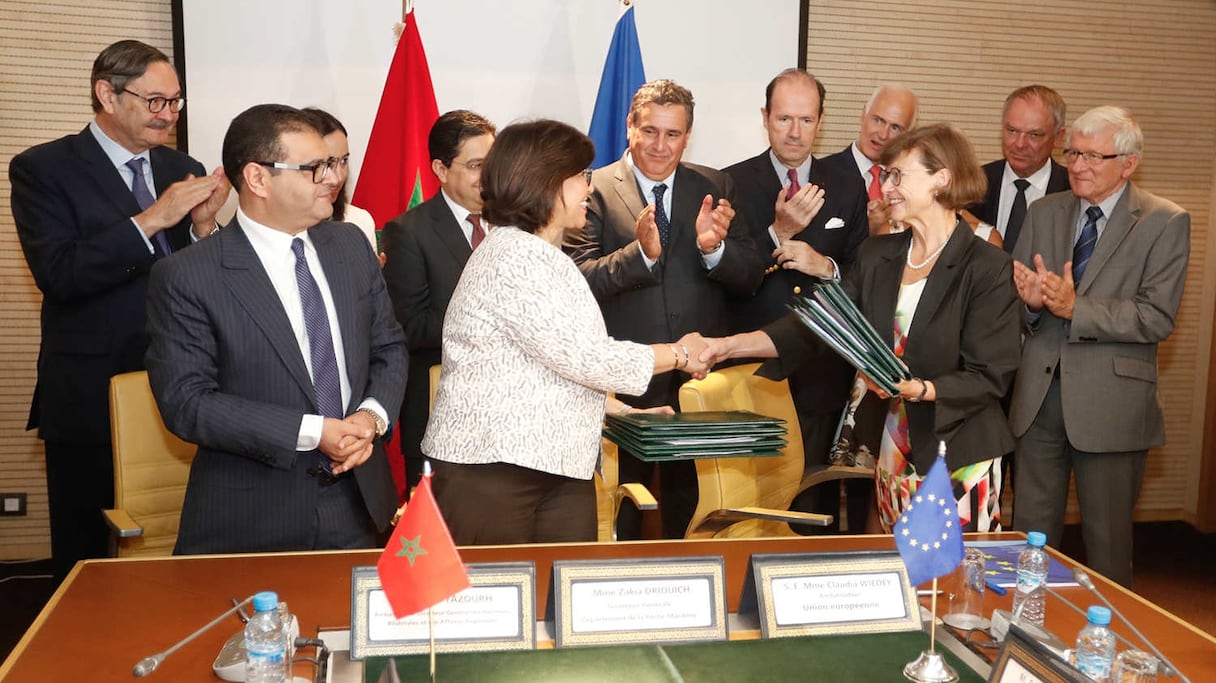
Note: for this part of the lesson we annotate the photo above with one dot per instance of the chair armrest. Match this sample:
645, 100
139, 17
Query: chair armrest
818, 474
121, 524
641, 496
718, 520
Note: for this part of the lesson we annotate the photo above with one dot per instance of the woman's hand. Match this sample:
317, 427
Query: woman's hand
916, 389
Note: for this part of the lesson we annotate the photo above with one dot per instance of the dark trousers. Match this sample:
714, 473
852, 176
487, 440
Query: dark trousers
79, 485
499, 504
1108, 485
677, 495
818, 433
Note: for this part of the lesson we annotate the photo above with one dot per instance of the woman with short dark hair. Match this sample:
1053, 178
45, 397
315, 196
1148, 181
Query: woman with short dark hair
515, 434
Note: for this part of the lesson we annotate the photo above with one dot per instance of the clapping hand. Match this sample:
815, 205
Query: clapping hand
713, 222
794, 214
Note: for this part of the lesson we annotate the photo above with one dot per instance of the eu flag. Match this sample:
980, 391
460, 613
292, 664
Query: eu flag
927, 533
623, 75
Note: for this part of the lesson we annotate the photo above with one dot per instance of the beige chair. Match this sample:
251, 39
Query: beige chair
151, 467
752, 496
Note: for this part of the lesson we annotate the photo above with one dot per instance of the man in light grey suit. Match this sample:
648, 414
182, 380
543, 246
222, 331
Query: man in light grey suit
273, 347
1101, 271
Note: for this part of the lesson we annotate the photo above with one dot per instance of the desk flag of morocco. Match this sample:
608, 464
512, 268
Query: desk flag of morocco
420, 566
927, 533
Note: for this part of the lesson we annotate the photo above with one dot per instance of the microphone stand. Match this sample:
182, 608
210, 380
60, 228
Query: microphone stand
149, 664
1166, 665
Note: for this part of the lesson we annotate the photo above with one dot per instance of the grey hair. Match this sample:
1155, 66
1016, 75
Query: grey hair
897, 88
1128, 137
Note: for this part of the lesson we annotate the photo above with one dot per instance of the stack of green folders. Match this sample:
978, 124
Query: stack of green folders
831, 315
708, 434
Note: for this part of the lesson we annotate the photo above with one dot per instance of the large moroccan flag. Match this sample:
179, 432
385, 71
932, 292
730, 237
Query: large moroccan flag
420, 566
396, 173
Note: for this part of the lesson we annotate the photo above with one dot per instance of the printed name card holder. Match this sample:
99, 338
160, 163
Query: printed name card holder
496, 612
659, 600
1024, 660
800, 594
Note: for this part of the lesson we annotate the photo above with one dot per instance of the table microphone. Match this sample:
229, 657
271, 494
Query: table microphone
1166, 666
149, 664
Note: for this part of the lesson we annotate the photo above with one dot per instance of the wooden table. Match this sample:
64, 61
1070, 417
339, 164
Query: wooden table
109, 614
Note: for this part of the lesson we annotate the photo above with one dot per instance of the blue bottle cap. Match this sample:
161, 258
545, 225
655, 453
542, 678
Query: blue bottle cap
1036, 538
1098, 615
268, 601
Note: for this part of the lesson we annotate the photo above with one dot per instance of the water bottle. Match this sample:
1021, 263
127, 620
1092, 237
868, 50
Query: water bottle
265, 645
1032, 573
1096, 645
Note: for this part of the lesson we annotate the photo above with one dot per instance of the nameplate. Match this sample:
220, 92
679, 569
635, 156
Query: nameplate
661, 600
799, 594
1024, 660
496, 612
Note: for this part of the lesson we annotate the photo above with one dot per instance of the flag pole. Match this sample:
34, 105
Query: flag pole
933, 618
430, 621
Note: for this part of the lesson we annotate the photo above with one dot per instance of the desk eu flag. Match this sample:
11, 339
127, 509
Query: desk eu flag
928, 534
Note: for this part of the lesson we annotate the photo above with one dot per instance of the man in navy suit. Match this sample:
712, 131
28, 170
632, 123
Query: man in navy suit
796, 205
426, 249
273, 347
1032, 124
93, 211
891, 110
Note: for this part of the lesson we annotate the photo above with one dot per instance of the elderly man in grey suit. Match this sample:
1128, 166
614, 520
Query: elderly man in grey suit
661, 250
273, 347
1100, 271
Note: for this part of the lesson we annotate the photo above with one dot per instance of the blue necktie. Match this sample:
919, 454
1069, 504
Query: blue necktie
1085, 245
325, 380
143, 197
660, 214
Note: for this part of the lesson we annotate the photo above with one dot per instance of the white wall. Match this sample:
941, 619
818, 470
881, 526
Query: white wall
506, 60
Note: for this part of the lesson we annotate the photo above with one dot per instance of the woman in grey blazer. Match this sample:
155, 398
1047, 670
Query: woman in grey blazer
527, 361
949, 300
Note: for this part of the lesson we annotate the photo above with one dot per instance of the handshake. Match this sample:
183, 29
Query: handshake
696, 355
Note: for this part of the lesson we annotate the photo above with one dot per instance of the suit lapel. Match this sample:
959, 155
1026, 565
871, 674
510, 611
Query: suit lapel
250, 286
341, 288
449, 232
888, 272
627, 190
944, 277
685, 205
108, 179
1123, 218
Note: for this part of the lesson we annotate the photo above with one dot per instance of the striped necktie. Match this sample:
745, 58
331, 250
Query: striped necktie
1085, 245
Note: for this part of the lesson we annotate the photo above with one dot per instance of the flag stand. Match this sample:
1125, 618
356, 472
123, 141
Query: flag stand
930, 666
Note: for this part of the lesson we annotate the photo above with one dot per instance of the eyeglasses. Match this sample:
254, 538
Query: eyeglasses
157, 104
587, 175
896, 175
318, 170
1091, 158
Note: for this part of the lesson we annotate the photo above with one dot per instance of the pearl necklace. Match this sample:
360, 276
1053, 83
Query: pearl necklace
927, 261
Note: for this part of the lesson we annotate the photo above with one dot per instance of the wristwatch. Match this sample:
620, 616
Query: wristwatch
381, 425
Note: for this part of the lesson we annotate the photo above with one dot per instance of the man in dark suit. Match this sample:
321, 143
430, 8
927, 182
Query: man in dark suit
273, 347
1032, 124
795, 203
1101, 271
93, 211
426, 249
890, 111
661, 249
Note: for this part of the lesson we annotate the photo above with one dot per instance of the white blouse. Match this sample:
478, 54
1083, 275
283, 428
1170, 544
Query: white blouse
527, 361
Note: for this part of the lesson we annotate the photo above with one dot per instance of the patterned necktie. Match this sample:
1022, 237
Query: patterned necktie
875, 184
143, 197
479, 232
1085, 245
1017, 214
794, 186
326, 383
660, 214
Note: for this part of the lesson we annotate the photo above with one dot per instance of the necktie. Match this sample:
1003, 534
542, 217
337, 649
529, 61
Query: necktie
794, 186
326, 383
479, 232
875, 183
143, 197
660, 214
1085, 245
1017, 214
